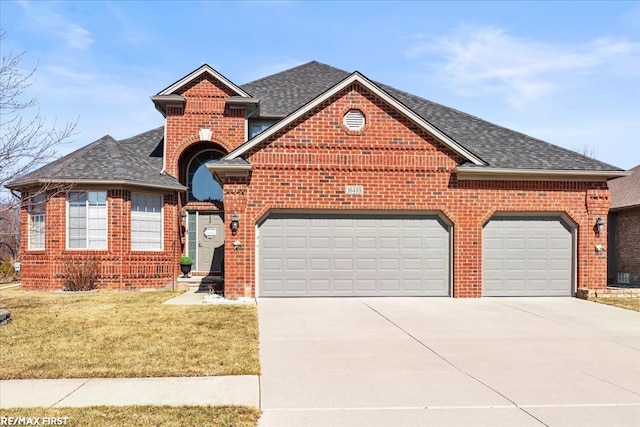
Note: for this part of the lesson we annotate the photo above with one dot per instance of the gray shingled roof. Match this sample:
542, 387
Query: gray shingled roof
134, 161
285, 92
282, 93
138, 160
625, 191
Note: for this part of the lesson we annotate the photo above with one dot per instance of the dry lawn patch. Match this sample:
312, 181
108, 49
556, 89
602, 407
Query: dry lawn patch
144, 416
628, 303
108, 334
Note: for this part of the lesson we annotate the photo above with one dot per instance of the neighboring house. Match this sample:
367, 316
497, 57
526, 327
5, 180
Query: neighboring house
624, 229
319, 182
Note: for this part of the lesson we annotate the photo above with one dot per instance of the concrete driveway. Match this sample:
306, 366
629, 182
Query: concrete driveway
442, 361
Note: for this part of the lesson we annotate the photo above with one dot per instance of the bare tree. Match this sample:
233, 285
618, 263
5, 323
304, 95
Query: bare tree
9, 233
26, 141
586, 150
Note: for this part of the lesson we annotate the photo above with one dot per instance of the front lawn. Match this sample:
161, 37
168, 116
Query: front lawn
628, 303
142, 416
109, 334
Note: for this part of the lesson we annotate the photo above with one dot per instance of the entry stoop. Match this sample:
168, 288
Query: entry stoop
210, 283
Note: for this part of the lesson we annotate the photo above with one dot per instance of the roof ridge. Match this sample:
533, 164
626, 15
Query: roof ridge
140, 134
288, 70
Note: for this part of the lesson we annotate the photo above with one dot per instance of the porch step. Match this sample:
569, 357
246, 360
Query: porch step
215, 284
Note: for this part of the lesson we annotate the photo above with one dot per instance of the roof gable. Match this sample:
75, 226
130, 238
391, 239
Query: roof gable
625, 192
204, 69
356, 77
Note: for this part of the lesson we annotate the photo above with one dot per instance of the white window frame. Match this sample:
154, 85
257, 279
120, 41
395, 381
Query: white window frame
161, 196
87, 233
36, 237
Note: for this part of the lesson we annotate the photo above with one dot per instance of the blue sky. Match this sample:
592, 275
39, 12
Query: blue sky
565, 72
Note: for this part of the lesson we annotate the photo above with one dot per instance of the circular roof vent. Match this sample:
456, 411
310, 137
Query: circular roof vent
354, 120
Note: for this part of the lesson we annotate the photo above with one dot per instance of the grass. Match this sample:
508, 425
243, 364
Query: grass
628, 303
143, 416
113, 335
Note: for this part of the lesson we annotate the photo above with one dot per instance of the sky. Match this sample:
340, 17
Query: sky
564, 72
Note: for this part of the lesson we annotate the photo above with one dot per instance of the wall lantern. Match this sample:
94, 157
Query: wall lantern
235, 222
183, 215
599, 225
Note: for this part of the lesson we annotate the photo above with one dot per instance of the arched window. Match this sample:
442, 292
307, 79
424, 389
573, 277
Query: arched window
201, 184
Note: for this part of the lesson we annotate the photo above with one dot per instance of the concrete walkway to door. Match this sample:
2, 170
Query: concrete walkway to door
448, 362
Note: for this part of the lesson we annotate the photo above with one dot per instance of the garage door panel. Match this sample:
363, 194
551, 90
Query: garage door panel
411, 243
295, 285
273, 285
412, 264
365, 285
348, 256
560, 244
319, 264
296, 264
343, 264
389, 264
272, 264
527, 256
273, 243
342, 242
515, 243
319, 242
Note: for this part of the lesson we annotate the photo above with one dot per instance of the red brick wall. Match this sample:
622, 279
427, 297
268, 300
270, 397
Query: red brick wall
627, 238
205, 107
120, 268
402, 168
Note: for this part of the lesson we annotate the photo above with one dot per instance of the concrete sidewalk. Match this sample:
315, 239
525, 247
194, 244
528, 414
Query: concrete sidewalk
223, 390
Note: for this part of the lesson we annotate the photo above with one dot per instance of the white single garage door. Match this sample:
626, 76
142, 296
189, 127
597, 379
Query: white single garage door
353, 255
527, 257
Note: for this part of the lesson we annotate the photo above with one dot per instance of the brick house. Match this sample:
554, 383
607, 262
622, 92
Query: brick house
624, 229
319, 182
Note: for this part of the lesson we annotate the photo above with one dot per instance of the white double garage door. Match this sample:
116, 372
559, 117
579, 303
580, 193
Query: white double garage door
400, 255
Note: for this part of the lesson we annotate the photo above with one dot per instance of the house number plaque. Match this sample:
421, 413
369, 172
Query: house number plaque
354, 189
210, 232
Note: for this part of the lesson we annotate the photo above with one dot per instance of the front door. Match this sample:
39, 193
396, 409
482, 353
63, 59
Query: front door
210, 238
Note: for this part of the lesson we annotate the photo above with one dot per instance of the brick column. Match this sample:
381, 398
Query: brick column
237, 261
597, 203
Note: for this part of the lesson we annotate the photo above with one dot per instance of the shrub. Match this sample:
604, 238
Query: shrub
185, 260
7, 272
80, 275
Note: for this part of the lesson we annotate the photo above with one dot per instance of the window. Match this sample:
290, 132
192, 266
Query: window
87, 226
146, 222
36, 208
200, 181
255, 127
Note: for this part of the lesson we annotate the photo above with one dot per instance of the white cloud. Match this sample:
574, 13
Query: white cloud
45, 17
487, 60
76, 36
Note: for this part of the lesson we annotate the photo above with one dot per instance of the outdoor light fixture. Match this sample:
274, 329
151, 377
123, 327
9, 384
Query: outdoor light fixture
183, 215
599, 225
235, 222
